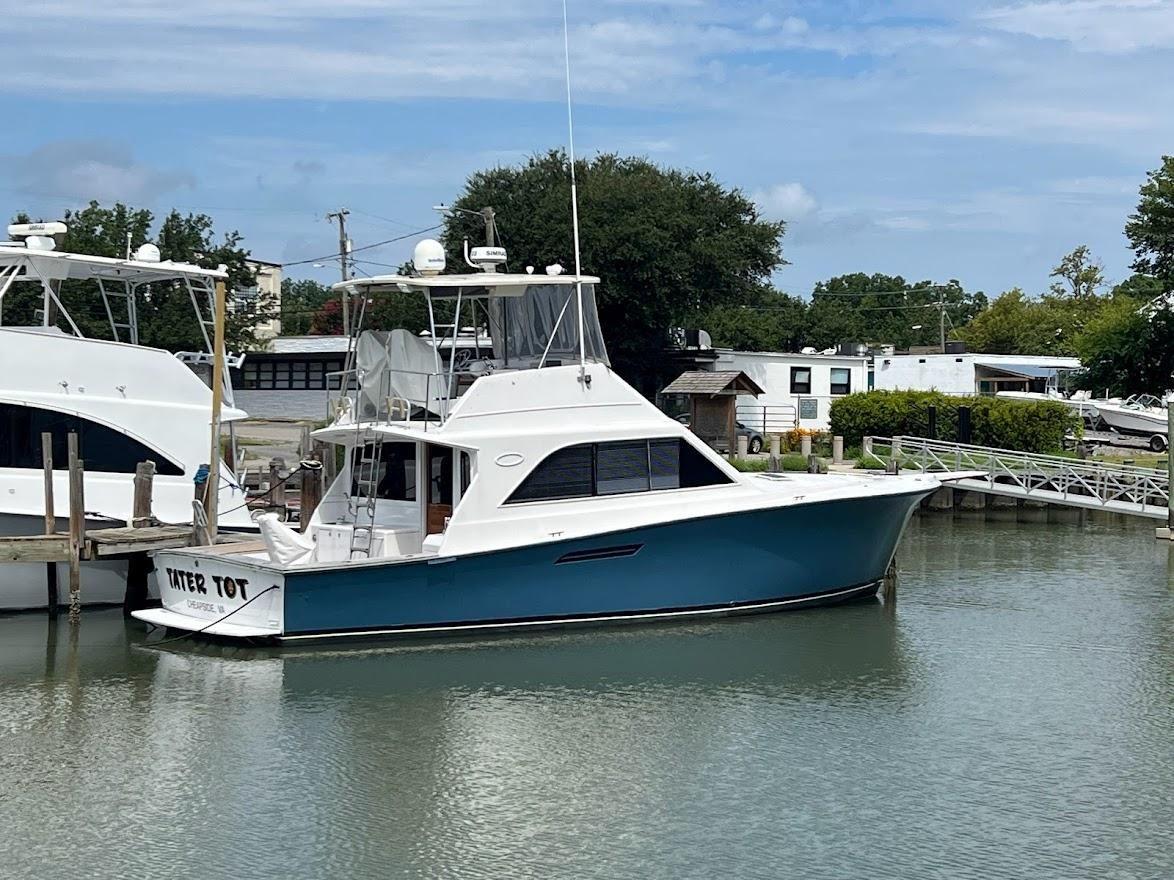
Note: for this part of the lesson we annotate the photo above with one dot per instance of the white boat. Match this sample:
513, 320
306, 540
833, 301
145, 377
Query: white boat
127, 403
1142, 415
535, 488
1080, 402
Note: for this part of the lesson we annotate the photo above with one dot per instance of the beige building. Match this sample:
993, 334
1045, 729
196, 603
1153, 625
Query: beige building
267, 292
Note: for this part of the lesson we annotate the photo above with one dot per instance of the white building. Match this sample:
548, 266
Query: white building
799, 388
966, 373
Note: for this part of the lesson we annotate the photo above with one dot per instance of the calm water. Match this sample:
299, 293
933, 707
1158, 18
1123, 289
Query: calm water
1011, 717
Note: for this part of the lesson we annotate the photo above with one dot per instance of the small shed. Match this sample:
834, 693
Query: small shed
712, 403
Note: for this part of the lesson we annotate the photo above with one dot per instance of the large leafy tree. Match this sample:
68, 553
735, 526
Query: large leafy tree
770, 321
301, 301
1018, 324
669, 245
166, 316
886, 309
1150, 228
1078, 274
1127, 349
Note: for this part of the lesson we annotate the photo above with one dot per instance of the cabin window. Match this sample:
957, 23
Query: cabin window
568, 473
621, 467
395, 472
800, 380
466, 472
592, 469
103, 449
841, 380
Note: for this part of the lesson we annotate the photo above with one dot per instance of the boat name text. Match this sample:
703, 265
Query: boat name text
195, 582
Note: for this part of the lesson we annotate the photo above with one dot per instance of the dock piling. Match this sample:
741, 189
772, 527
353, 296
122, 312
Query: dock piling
144, 488
77, 527
50, 520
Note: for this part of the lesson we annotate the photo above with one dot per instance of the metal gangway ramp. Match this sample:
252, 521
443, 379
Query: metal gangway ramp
1119, 488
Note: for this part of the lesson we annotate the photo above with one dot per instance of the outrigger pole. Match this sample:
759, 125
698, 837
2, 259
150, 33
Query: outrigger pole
574, 196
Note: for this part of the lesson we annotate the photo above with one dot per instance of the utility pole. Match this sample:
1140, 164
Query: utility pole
942, 318
344, 250
490, 226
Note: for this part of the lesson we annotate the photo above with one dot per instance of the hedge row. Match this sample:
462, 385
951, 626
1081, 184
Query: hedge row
1027, 426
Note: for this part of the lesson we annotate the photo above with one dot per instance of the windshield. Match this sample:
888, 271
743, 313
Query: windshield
545, 318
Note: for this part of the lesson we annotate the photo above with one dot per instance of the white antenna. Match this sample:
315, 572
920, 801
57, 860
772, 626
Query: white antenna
574, 195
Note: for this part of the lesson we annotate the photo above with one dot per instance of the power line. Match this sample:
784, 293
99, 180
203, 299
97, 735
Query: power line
365, 247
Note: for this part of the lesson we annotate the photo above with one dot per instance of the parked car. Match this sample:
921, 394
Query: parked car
754, 442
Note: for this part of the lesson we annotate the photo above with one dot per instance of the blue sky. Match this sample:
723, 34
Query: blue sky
969, 140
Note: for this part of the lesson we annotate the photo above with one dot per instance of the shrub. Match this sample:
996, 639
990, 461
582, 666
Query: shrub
1024, 425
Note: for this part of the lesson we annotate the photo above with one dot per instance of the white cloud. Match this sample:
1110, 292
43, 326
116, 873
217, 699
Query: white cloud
785, 201
90, 169
1115, 26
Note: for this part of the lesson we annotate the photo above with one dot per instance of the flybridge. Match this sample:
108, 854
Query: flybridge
31, 258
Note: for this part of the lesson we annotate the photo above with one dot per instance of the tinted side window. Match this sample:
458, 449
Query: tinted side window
568, 473
103, 449
800, 380
616, 468
621, 467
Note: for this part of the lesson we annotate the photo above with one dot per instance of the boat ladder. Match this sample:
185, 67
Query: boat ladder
367, 480
131, 325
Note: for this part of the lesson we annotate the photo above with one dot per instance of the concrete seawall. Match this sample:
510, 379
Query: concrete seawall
949, 500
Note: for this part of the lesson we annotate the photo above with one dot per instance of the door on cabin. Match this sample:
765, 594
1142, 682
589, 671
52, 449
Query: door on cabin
440, 495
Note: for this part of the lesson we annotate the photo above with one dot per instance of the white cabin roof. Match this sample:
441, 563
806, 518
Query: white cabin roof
408, 283
61, 264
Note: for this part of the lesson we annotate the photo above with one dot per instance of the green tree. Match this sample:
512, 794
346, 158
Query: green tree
166, 317
300, 301
1150, 228
1017, 324
1140, 287
1128, 349
772, 321
1079, 274
668, 245
886, 309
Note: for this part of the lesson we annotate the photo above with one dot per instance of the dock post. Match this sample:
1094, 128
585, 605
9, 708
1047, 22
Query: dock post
1166, 532
889, 584
144, 487
805, 446
311, 490
200, 535
77, 527
50, 520
813, 465
837, 450
773, 464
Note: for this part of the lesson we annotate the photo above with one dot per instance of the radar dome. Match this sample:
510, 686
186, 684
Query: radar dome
428, 257
147, 253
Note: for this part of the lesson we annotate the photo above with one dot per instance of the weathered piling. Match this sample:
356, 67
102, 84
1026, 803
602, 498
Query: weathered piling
50, 521
311, 489
77, 527
144, 486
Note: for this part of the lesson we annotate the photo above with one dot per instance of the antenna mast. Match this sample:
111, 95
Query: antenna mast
574, 195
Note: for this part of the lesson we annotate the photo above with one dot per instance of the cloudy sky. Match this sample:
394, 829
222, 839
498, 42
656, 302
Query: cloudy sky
932, 138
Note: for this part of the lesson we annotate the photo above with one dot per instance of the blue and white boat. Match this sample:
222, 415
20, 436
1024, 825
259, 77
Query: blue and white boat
530, 486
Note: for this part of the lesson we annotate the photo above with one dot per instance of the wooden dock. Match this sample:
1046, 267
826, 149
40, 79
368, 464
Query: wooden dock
141, 536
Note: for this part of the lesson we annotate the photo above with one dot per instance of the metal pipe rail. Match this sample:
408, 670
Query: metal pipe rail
1118, 488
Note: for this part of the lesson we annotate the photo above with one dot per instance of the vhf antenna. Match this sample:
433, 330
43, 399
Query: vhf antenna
574, 197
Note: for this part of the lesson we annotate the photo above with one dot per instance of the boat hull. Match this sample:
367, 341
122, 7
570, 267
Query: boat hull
1133, 421
755, 561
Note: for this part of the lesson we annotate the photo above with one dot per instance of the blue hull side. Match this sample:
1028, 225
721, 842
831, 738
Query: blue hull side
722, 562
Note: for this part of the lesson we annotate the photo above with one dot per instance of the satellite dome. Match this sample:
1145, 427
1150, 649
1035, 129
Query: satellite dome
147, 253
428, 257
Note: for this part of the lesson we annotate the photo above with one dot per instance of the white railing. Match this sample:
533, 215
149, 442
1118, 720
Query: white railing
769, 418
1120, 488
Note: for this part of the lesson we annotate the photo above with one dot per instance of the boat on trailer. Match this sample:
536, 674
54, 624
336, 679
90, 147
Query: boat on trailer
533, 487
1142, 415
127, 402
